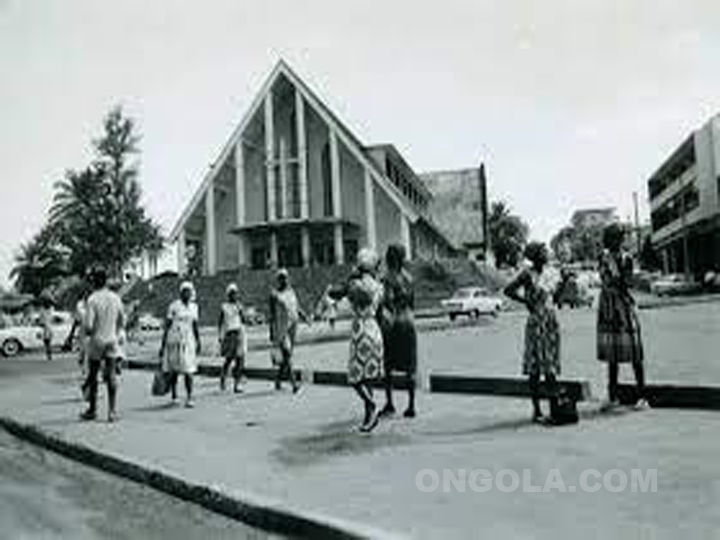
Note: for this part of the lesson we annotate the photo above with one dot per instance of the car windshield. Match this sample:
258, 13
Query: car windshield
464, 293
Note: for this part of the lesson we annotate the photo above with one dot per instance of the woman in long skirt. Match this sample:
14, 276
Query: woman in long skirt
619, 339
365, 363
233, 343
398, 325
181, 341
542, 332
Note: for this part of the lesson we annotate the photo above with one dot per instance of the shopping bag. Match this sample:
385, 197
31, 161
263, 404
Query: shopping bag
160, 383
563, 409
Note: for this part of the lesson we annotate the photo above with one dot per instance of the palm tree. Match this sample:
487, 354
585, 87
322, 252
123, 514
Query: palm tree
40, 264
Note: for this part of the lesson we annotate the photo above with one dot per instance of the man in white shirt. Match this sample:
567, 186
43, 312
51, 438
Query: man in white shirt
104, 324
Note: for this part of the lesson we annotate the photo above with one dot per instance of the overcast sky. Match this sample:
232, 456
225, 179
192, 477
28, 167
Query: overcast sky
569, 103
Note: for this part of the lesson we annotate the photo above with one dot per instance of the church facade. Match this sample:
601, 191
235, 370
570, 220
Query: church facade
294, 187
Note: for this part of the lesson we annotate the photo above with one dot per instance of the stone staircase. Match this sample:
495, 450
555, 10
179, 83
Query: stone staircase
434, 281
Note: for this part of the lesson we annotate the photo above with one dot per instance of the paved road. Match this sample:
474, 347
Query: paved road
681, 347
45, 496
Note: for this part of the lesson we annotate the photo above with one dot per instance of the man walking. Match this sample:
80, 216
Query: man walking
105, 323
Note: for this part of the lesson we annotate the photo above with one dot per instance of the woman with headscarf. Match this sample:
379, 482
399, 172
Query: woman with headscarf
365, 363
285, 313
232, 337
542, 332
181, 341
619, 340
400, 338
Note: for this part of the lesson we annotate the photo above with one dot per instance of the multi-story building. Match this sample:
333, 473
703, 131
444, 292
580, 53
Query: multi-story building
588, 218
685, 203
295, 187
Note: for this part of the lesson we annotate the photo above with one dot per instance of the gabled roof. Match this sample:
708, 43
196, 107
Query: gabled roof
352, 143
457, 207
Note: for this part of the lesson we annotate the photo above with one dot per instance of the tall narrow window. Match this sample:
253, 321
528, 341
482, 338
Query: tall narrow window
327, 181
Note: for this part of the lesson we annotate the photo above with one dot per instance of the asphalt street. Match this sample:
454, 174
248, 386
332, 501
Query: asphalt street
43, 495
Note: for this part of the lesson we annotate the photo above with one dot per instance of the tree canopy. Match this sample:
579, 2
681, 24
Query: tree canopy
97, 216
508, 234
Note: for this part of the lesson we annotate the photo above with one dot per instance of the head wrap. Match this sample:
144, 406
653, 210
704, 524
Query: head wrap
367, 260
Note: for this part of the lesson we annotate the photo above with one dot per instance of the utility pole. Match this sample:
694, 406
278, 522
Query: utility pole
638, 238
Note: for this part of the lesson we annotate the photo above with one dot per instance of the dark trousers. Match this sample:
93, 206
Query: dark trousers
613, 370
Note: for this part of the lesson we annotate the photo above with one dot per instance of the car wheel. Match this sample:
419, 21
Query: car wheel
496, 311
452, 316
476, 314
11, 347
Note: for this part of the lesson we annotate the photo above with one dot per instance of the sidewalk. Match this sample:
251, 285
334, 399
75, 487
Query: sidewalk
302, 452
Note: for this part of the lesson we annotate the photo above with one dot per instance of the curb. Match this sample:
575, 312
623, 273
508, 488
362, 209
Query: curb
679, 301
269, 516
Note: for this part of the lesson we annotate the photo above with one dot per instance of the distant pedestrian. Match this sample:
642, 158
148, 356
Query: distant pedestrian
78, 331
542, 332
365, 363
180, 344
285, 313
46, 318
104, 325
619, 338
397, 321
328, 309
233, 341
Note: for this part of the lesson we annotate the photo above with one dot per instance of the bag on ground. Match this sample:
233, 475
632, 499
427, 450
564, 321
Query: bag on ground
563, 409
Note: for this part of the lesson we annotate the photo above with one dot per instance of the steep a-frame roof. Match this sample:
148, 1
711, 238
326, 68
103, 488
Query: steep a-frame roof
352, 143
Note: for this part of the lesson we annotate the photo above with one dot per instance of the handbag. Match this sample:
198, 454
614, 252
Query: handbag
276, 355
160, 383
563, 409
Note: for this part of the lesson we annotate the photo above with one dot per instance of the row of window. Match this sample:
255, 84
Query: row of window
684, 202
660, 183
404, 184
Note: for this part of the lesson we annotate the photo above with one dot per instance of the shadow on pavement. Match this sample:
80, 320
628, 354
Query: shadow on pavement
338, 439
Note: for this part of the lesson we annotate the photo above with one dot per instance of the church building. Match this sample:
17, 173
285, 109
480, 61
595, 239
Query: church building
294, 187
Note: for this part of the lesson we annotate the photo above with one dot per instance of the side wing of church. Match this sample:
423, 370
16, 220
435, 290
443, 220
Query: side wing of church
294, 187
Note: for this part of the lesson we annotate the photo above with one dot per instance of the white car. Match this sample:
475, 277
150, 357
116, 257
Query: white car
148, 323
673, 284
16, 339
473, 302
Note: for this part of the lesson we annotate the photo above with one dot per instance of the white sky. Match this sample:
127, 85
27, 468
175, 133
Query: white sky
569, 103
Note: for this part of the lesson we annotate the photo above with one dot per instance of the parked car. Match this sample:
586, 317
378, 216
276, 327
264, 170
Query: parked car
473, 302
570, 293
149, 323
253, 316
674, 284
15, 339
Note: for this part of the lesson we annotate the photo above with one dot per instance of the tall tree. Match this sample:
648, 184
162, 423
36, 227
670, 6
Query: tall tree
508, 234
97, 212
40, 264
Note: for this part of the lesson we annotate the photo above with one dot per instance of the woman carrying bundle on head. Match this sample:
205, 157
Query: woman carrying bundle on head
365, 363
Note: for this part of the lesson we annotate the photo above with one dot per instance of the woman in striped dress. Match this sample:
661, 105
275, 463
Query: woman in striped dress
365, 363
619, 339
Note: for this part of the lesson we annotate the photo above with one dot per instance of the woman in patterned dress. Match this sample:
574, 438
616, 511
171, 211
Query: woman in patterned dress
542, 332
398, 325
619, 339
365, 363
181, 341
